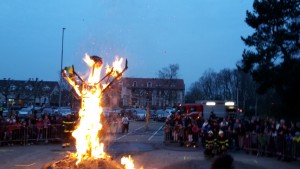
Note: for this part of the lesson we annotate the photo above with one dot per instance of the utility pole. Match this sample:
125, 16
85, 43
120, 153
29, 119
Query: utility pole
147, 116
61, 65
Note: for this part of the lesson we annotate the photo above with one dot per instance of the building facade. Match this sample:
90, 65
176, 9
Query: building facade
127, 92
27, 93
158, 93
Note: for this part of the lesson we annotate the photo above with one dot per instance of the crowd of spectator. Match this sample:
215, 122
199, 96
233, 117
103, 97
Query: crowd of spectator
31, 129
260, 136
256, 135
43, 128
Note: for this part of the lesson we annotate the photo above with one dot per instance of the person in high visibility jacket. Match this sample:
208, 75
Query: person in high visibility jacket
222, 143
210, 144
68, 125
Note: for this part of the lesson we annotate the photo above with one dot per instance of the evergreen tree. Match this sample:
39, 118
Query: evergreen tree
273, 54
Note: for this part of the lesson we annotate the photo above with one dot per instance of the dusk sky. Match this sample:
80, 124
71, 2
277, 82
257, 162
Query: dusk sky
152, 34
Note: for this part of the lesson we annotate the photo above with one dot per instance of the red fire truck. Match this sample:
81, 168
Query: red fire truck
194, 110
221, 108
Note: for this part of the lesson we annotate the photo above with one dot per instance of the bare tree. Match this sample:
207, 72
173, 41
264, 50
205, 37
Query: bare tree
233, 85
194, 93
208, 83
214, 86
35, 89
169, 73
227, 84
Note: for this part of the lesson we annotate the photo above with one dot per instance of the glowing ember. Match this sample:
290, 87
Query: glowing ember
87, 130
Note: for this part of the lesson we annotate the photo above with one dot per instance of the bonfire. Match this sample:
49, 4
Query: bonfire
89, 149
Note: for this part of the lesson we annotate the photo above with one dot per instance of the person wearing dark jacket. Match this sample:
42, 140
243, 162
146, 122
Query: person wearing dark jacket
68, 127
222, 143
210, 144
225, 161
240, 131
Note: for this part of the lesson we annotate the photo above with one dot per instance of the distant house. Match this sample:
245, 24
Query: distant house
30, 92
159, 93
127, 92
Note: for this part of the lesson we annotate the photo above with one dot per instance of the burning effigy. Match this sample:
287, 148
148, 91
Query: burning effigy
89, 149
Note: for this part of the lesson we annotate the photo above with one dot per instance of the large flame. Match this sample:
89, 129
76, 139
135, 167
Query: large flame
88, 129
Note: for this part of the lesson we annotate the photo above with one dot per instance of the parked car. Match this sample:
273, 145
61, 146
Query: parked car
171, 110
24, 112
162, 115
16, 107
37, 109
64, 111
139, 114
112, 113
5, 112
48, 111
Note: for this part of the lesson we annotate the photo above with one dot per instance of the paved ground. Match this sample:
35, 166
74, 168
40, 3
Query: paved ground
146, 148
146, 155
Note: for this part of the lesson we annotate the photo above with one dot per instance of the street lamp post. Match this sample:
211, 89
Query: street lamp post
61, 65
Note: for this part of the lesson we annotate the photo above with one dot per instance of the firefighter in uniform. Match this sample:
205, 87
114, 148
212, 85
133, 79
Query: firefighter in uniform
222, 143
68, 127
210, 143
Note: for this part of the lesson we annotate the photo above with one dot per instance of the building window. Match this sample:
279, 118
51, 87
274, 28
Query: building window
45, 88
149, 84
12, 87
134, 84
28, 87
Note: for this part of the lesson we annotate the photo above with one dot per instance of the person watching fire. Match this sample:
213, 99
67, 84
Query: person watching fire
68, 126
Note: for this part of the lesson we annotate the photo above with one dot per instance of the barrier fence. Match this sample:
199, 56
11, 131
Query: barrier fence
30, 135
24, 135
252, 142
255, 143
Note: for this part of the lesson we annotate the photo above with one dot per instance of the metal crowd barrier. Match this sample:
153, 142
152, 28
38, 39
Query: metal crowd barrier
24, 135
268, 145
254, 143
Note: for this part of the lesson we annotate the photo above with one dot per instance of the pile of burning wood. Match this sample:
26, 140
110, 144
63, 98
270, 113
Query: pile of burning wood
69, 162
90, 152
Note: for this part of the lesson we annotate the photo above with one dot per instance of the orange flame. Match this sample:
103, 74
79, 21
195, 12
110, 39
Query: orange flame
86, 134
87, 130
115, 68
128, 162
